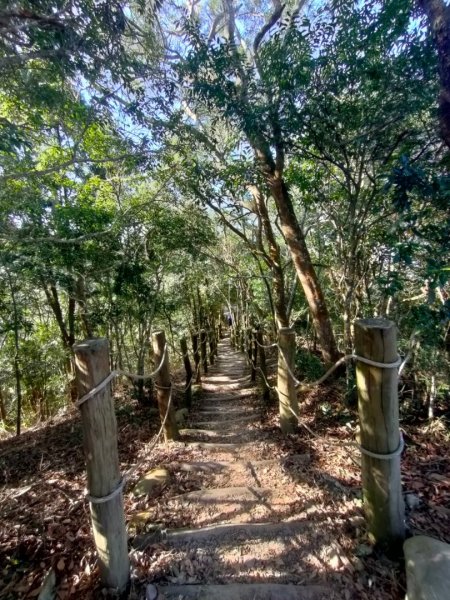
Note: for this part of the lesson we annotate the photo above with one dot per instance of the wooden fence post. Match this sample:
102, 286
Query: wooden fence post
254, 355
376, 339
216, 341
203, 352
188, 369
194, 338
211, 346
262, 364
242, 339
248, 345
287, 394
102, 462
163, 386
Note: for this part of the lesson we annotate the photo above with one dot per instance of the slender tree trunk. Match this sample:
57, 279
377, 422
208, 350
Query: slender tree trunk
16, 362
3, 415
279, 302
81, 299
306, 273
295, 240
438, 14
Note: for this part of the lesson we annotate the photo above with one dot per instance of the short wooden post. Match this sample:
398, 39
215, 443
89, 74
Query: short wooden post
248, 345
211, 346
189, 372
196, 353
287, 394
241, 340
254, 354
203, 352
376, 339
262, 364
163, 386
216, 341
102, 462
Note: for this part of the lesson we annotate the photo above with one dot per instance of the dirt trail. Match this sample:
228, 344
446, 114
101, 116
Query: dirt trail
248, 524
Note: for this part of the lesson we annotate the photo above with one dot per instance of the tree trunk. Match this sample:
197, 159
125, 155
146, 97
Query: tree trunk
306, 273
279, 303
3, 415
295, 240
438, 15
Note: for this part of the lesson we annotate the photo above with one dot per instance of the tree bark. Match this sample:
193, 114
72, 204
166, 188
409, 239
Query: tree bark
306, 273
295, 240
438, 15
279, 296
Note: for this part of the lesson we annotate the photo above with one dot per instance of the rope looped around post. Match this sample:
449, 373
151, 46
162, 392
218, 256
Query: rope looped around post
98, 388
103, 499
131, 470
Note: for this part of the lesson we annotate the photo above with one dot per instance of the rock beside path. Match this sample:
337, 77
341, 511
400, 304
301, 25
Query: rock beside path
152, 483
427, 569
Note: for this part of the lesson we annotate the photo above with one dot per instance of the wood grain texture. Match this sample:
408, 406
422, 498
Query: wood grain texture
163, 383
102, 462
287, 394
376, 339
203, 351
189, 372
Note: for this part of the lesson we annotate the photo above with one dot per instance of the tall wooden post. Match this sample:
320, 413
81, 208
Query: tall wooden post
211, 346
196, 353
189, 372
242, 339
216, 341
203, 352
262, 364
287, 394
102, 462
376, 339
248, 344
163, 386
254, 354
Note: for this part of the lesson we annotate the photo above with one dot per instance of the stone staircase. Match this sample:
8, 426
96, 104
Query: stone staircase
250, 536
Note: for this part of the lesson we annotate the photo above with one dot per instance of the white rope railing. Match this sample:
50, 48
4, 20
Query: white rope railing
388, 456
343, 359
266, 346
373, 363
116, 373
187, 386
128, 474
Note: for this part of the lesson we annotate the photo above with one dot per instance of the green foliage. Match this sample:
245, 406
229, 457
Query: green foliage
308, 366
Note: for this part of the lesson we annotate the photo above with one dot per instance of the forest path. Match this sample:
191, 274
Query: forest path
249, 535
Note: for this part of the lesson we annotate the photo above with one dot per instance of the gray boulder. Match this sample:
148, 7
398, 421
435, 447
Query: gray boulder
427, 568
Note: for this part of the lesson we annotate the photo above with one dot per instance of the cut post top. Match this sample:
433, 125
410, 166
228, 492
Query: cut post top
92, 344
375, 323
286, 331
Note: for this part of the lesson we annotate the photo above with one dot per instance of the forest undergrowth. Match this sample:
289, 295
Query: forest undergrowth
46, 524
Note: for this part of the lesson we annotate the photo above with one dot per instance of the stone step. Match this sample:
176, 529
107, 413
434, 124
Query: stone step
225, 397
237, 387
226, 422
224, 495
219, 466
217, 447
229, 377
206, 432
231, 533
228, 411
245, 591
